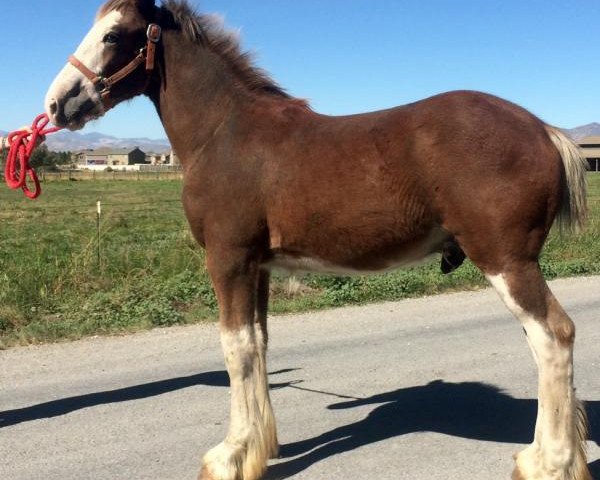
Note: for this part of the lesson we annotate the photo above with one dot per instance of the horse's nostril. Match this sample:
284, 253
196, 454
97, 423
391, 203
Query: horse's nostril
53, 107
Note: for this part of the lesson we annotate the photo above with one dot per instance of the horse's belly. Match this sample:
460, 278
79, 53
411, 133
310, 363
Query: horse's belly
373, 261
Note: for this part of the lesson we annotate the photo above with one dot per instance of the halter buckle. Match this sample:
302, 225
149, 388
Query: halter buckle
101, 85
154, 33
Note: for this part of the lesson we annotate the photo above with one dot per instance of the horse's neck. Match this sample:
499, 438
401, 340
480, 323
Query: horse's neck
200, 92
196, 96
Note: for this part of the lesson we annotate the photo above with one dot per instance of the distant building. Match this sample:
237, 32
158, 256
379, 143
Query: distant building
590, 146
153, 158
110, 157
171, 158
168, 157
87, 158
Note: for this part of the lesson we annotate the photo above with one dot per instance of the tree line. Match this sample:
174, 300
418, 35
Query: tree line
43, 158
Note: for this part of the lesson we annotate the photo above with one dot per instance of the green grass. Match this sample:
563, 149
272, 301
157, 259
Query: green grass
151, 273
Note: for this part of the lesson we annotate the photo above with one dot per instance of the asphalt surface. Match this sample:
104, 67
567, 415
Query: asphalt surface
433, 388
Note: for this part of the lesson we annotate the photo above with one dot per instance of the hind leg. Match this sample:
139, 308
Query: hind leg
558, 448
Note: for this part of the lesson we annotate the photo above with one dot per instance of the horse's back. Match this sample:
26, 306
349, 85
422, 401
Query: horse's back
409, 178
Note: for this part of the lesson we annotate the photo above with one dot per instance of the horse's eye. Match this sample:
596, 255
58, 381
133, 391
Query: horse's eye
111, 38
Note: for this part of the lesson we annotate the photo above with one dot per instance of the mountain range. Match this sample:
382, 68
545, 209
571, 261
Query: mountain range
72, 141
66, 141
591, 129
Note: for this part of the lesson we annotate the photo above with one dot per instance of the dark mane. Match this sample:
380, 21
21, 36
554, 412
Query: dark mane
208, 30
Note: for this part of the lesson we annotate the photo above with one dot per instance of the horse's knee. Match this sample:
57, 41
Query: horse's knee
240, 350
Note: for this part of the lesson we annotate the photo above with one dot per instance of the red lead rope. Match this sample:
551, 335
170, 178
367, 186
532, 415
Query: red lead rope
22, 143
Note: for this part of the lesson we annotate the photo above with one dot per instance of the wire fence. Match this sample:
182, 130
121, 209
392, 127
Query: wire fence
82, 175
163, 206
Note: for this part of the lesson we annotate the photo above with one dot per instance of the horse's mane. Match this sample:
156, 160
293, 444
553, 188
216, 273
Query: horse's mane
209, 31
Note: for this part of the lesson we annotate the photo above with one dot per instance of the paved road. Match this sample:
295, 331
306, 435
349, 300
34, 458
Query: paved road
433, 388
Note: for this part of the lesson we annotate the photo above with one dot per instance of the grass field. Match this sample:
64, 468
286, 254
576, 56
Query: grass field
60, 280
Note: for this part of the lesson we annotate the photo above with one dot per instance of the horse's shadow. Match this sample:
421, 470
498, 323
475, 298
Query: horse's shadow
63, 406
468, 410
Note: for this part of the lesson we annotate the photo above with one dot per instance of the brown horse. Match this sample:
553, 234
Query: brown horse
268, 182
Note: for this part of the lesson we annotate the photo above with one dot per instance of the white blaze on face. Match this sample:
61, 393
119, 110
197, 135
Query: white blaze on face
90, 53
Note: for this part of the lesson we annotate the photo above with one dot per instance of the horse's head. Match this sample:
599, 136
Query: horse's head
108, 67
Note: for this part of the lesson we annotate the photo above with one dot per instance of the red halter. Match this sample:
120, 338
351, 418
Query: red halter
146, 55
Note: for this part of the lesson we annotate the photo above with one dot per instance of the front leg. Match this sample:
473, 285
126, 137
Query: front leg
244, 452
260, 366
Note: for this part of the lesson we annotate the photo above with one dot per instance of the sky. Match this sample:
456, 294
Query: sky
345, 56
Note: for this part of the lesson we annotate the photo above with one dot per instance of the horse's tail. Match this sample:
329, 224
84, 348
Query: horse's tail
573, 209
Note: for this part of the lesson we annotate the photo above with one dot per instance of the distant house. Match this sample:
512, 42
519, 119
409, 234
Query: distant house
153, 158
89, 157
168, 157
590, 146
110, 157
171, 158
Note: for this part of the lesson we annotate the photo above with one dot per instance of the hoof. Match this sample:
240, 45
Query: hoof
205, 474
274, 452
516, 474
